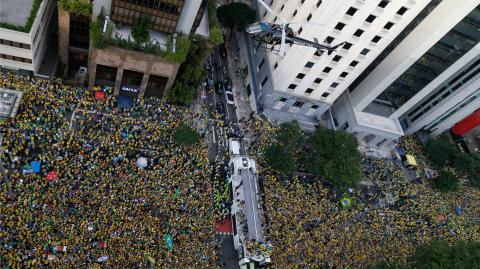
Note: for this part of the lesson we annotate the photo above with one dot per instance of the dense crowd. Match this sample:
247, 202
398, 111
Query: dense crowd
390, 216
91, 204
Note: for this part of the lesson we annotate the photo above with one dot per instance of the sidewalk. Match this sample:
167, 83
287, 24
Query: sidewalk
237, 61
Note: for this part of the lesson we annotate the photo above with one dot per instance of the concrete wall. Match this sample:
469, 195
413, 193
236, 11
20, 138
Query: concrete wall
123, 59
63, 36
97, 7
187, 18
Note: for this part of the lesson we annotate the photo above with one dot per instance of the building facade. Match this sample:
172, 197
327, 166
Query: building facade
304, 84
134, 72
22, 51
426, 84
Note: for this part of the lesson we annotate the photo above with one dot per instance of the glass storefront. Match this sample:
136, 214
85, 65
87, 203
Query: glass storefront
451, 47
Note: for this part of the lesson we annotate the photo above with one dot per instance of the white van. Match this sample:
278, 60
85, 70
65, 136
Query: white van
234, 146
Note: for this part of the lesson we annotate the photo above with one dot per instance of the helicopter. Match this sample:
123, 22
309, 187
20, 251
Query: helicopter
274, 34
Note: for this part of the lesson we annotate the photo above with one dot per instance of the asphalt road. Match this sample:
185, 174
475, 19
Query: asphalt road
219, 129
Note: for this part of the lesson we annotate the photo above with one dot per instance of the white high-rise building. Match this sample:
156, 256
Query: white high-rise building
395, 75
303, 84
427, 83
24, 29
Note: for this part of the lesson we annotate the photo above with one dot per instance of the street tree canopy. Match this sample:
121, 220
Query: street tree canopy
236, 15
279, 159
440, 150
440, 255
185, 135
290, 136
333, 155
445, 182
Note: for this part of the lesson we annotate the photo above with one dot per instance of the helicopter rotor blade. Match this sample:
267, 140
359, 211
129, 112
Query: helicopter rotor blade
271, 11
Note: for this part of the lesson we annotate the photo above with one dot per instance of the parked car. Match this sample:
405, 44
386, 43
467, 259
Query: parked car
219, 87
221, 108
229, 95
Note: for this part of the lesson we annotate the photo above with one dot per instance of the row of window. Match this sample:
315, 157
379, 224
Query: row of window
14, 44
15, 58
329, 40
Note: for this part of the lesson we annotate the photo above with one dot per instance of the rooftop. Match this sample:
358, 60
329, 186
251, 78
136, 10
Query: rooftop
15, 12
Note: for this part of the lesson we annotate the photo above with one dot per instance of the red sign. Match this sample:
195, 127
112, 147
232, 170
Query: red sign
100, 95
467, 124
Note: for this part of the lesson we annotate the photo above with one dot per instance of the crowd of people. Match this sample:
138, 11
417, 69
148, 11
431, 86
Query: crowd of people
90, 203
390, 216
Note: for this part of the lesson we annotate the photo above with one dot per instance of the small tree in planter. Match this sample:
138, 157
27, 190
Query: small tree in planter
140, 31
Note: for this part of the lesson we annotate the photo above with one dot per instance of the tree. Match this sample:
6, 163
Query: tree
334, 156
290, 137
440, 150
140, 31
279, 159
185, 135
190, 73
445, 182
440, 255
467, 164
236, 15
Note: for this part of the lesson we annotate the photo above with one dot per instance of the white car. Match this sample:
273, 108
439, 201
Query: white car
229, 96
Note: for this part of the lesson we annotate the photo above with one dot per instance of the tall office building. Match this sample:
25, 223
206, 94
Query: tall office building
303, 84
24, 37
395, 75
130, 69
426, 83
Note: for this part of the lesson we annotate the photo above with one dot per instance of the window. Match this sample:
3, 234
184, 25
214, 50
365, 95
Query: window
303, 1
376, 39
309, 65
388, 25
292, 86
353, 63
325, 94
402, 11
264, 81
309, 90
317, 80
343, 74
319, 3
275, 66
298, 104
264, 14
334, 84
309, 17
327, 69
314, 107
329, 40
294, 13
300, 75
383, 3
370, 18
337, 58
347, 45
282, 99
261, 63
358, 33
300, 30
281, 9
351, 11
340, 26
318, 53
364, 51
